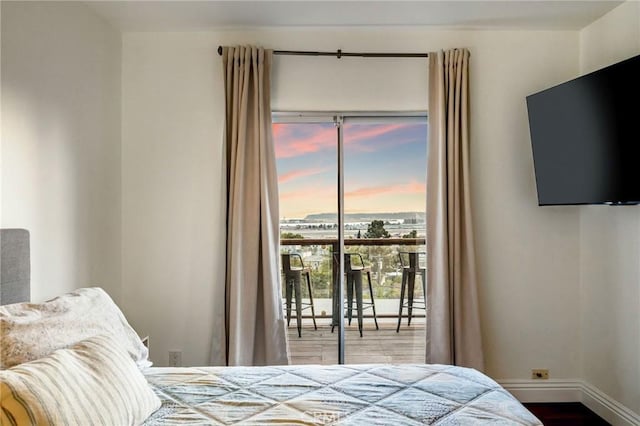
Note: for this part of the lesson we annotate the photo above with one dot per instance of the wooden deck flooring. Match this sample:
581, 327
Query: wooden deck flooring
376, 346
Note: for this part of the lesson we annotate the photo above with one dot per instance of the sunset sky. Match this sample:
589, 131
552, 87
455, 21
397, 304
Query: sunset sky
385, 167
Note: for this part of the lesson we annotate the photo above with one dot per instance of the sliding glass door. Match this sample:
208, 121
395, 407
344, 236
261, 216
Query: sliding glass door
352, 209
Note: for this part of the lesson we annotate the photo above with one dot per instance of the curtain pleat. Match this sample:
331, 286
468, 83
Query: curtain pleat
453, 319
255, 326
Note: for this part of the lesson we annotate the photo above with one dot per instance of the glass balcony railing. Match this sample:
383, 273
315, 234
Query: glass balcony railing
380, 255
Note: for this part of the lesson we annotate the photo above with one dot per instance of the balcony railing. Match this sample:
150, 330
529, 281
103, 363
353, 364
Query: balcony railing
380, 254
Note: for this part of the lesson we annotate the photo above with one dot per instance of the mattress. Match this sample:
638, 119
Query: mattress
374, 394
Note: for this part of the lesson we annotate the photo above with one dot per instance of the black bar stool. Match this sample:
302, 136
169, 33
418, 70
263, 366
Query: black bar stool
292, 280
353, 273
410, 263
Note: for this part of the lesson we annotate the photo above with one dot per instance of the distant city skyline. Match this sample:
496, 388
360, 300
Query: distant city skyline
385, 168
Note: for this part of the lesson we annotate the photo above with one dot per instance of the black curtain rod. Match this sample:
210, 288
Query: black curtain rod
339, 54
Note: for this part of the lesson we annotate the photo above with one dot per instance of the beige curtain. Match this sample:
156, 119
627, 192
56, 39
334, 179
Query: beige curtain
255, 323
453, 322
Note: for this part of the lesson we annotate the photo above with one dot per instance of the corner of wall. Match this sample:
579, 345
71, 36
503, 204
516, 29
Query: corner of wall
608, 255
61, 142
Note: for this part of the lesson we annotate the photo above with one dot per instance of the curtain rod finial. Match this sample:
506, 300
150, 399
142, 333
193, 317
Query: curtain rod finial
220, 50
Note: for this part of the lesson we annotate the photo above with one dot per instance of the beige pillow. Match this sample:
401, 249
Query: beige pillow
93, 383
29, 331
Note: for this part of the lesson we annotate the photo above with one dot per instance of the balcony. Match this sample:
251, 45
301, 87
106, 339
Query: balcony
383, 345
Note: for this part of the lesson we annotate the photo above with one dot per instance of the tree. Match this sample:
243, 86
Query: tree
376, 230
412, 234
290, 235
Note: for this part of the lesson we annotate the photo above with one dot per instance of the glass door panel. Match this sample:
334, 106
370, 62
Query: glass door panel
306, 158
384, 228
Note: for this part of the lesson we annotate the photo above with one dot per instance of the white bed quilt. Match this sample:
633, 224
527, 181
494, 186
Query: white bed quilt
375, 394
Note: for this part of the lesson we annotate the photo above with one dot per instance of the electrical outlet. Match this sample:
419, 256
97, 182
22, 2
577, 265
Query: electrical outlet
540, 374
175, 358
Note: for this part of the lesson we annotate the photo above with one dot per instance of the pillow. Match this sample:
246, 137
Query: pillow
29, 331
95, 382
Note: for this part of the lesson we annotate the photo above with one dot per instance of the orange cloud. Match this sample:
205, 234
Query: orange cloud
405, 188
313, 193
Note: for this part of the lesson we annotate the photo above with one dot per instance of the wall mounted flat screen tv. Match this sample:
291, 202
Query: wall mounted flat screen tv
585, 137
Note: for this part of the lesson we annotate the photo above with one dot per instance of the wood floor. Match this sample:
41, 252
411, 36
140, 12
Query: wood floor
375, 346
565, 414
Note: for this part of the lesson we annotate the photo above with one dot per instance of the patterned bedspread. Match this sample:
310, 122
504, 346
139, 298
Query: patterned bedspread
375, 394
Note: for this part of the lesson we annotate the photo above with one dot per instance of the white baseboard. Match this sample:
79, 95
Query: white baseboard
573, 391
552, 390
607, 407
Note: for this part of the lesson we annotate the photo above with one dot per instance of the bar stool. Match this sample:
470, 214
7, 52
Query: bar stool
353, 273
410, 263
292, 280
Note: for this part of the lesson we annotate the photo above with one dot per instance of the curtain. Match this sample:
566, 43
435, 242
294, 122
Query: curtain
453, 319
255, 326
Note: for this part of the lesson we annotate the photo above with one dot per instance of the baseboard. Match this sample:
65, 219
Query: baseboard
552, 390
573, 391
607, 407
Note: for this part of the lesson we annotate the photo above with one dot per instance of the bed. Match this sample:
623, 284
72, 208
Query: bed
372, 394
375, 394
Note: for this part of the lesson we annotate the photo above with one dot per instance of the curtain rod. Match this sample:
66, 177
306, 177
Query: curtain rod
339, 54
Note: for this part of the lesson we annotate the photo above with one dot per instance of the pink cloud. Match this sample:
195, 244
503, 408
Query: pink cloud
358, 138
287, 146
405, 188
294, 174
278, 130
357, 133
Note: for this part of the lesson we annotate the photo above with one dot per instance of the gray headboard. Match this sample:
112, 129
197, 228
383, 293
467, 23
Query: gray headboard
15, 266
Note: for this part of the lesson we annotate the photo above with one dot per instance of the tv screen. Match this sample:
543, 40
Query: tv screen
585, 137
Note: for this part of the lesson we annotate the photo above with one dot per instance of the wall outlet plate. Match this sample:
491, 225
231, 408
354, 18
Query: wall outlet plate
540, 374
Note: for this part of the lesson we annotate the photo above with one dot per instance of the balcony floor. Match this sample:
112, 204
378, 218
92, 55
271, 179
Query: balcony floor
375, 346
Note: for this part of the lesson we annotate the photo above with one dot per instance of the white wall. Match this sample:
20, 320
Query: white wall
61, 143
560, 286
610, 244
173, 215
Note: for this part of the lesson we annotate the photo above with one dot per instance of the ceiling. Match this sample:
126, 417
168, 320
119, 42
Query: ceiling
478, 14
